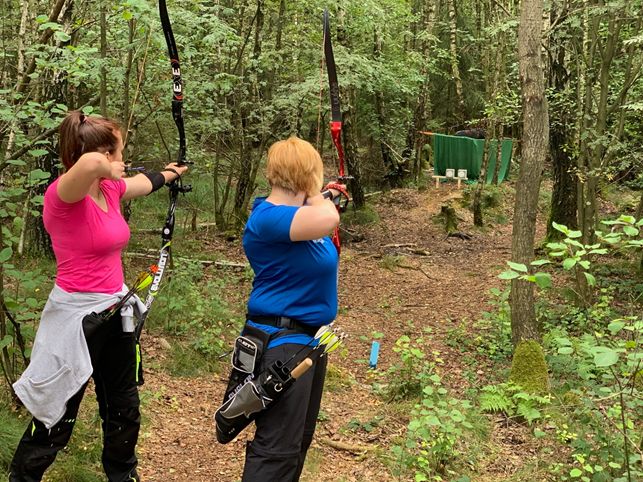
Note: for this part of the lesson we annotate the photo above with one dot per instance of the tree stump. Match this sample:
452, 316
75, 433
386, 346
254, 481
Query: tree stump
449, 218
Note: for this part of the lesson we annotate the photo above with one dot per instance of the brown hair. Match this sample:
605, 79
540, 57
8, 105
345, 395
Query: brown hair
80, 133
295, 165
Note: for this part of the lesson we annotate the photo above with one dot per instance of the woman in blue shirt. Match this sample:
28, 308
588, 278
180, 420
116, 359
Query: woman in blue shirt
294, 292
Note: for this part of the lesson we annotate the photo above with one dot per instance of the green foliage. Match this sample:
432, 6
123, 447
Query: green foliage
337, 379
368, 426
360, 217
513, 401
439, 422
24, 299
187, 361
599, 368
529, 368
624, 237
407, 379
79, 462
494, 328
491, 196
578, 257
190, 307
11, 429
521, 271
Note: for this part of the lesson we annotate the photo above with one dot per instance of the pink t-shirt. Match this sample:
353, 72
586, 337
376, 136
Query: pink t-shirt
87, 241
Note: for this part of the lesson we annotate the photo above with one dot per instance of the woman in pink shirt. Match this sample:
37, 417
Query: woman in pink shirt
82, 215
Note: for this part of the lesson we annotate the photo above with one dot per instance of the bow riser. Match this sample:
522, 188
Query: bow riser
336, 134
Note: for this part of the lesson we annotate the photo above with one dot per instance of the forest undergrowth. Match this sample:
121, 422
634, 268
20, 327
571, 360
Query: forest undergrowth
441, 404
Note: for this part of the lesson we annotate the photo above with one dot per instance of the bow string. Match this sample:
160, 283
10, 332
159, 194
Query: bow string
176, 186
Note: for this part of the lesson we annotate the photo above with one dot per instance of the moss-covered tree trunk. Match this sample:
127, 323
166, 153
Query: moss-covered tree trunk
529, 368
449, 217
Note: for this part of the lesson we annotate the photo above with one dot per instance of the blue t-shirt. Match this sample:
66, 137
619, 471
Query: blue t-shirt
296, 279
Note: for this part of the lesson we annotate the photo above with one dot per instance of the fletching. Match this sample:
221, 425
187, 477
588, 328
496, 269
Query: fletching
144, 283
322, 330
335, 345
328, 337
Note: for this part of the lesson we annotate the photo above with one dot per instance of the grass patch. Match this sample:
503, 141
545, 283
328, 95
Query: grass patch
314, 460
11, 429
80, 460
391, 262
187, 361
496, 202
362, 217
337, 379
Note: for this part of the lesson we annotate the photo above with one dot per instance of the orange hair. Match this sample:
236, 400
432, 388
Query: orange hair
295, 165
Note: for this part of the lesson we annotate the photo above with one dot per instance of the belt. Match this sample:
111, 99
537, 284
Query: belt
283, 322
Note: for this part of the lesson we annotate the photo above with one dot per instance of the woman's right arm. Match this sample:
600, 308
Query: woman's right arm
314, 220
75, 183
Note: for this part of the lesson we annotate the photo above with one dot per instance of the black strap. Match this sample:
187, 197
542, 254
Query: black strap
157, 179
283, 322
169, 169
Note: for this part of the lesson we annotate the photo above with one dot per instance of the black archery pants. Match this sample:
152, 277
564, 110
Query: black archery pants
285, 431
114, 361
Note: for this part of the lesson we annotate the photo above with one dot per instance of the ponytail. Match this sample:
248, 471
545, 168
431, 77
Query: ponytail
80, 133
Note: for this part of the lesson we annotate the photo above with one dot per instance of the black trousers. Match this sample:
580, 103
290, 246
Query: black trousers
114, 360
285, 431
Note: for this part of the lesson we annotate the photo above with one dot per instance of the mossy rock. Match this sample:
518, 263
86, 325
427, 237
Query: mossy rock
529, 368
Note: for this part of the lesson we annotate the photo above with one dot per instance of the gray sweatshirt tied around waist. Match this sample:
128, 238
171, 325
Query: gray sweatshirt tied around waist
60, 363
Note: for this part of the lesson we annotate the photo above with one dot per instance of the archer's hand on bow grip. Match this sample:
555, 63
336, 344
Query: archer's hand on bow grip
341, 201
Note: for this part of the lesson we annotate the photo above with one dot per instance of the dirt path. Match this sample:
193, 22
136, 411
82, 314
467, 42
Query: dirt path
437, 283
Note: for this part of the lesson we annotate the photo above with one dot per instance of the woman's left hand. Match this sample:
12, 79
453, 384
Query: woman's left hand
140, 185
169, 175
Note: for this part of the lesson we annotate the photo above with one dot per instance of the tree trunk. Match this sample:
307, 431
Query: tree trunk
496, 166
352, 160
8, 369
127, 98
455, 68
476, 205
24, 81
103, 56
250, 155
449, 218
605, 93
394, 172
414, 140
38, 240
535, 138
348, 135
564, 205
22, 32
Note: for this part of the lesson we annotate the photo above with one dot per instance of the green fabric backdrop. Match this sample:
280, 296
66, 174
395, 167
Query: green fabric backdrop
457, 152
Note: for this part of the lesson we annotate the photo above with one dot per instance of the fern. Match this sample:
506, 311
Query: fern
494, 398
527, 411
509, 399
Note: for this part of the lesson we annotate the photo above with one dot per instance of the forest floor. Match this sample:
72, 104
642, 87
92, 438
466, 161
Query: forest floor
405, 277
